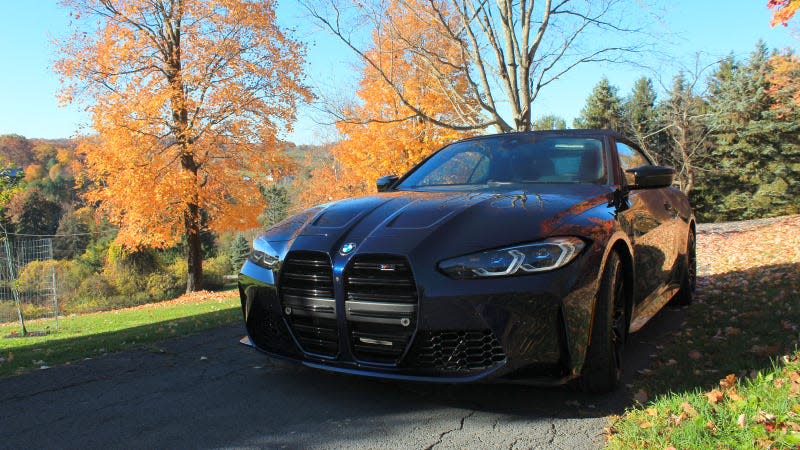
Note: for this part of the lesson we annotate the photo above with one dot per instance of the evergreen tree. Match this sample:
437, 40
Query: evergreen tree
639, 114
33, 213
277, 209
72, 236
549, 122
603, 108
755, 171
238, 251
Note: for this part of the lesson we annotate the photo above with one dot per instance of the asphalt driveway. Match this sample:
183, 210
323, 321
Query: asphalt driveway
209, 391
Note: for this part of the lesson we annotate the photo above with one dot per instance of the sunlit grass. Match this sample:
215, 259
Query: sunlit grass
95, 334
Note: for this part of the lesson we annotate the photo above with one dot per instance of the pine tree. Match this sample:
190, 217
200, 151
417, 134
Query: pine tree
639, 114
549, 122
238, 251
755, 172
603, 108
277, 209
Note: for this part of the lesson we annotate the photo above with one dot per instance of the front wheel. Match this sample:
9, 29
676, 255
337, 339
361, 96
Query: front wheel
685, 295
603, 365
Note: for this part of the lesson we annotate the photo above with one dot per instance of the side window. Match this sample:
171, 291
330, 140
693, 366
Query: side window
629, 158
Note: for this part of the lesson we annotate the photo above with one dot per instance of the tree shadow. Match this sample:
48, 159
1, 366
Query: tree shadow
739, 323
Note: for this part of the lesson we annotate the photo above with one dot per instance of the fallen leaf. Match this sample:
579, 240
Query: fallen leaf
732, 331
740, 421
711, 427
689, 409
645, 425
765, 417
676, 420
714, 396
728, 382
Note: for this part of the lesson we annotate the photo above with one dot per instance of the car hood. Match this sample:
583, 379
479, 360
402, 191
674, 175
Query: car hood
402, 222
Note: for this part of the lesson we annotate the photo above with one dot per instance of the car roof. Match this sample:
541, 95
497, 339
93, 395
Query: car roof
565, 133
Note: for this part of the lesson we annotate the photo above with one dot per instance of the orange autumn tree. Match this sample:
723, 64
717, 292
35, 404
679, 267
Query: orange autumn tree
784, 83
382, 135
783, 11
186, 98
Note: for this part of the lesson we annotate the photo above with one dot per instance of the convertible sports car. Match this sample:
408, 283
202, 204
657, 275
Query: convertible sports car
520, 257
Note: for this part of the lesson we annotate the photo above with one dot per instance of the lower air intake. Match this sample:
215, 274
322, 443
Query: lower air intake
455, 351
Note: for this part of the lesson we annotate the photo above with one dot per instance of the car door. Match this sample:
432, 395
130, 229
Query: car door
648, 220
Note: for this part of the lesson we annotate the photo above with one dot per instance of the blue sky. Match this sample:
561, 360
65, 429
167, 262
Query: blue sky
28, 86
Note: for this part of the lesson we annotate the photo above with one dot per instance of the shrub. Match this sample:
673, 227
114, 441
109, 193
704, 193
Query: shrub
214, 271
162, 285
95, 286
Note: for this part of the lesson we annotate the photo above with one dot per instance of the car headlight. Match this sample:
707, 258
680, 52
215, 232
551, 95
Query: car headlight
264, 255
541, 256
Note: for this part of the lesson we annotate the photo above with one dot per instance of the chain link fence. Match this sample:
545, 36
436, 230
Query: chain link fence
28, 283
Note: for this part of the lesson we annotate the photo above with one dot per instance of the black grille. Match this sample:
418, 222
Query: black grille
381, 304
268, 331
306, 291
455, 351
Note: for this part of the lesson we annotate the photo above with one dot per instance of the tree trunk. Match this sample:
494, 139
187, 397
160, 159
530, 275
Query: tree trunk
194, 260
689, 186
193, 225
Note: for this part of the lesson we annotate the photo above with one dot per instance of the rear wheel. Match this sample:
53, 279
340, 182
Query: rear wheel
689, 280
603, 365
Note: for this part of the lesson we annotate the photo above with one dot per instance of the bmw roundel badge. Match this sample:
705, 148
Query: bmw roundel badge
348, 248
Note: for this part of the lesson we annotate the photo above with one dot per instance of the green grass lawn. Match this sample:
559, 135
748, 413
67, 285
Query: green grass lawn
94, 334
759, 412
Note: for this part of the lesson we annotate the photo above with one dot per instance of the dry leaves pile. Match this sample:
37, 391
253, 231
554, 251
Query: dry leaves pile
777, 243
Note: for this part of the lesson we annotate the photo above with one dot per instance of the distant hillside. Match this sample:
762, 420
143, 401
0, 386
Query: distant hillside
19, 151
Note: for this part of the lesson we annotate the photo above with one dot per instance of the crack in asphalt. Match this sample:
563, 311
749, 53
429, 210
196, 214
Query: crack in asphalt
445, 433
552, 431
68, 386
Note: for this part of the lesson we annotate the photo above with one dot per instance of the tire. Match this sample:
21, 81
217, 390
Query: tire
603, 365
685, 295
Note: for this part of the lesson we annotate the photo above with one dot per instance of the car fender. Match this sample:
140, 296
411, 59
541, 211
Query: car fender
580, 331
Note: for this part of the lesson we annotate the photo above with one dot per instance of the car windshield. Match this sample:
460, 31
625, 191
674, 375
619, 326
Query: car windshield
509, 160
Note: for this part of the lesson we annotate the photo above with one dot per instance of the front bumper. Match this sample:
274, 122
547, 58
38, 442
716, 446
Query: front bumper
530, 329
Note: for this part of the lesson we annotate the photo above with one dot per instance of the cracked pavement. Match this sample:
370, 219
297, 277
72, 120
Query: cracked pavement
167, 396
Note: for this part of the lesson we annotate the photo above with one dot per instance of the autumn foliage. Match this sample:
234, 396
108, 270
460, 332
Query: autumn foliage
186, 98
381, 135
784, 79
783, 10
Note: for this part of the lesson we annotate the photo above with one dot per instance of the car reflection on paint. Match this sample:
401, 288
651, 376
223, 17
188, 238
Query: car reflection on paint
521, 257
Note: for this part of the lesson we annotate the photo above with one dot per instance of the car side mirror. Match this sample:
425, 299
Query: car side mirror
386, 182
650, 177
